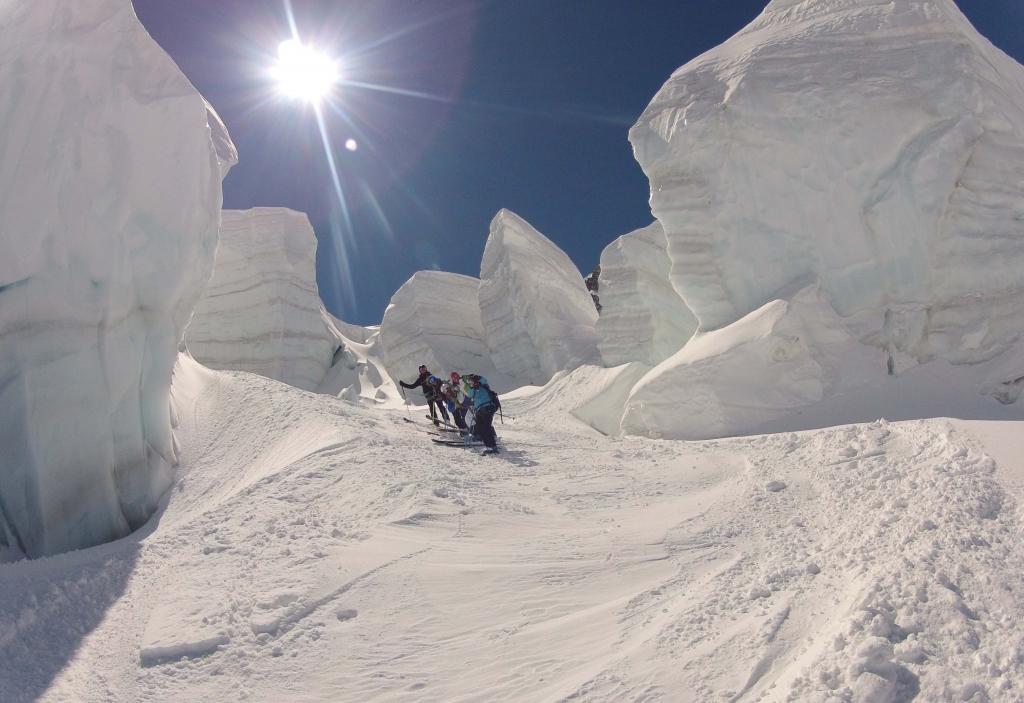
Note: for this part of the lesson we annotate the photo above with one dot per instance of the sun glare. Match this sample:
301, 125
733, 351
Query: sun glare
304, 73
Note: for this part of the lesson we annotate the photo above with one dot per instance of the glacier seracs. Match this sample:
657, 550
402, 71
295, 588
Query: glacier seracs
434, 319
261, 311
111, 166
537, 314
875, 147
642, 317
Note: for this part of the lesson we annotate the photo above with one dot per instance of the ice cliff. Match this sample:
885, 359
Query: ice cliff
537, 314
434, 319
261, 311
642, 317
875, 147
874, 150
111, 166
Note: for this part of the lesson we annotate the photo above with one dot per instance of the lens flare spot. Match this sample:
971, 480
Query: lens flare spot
351, 144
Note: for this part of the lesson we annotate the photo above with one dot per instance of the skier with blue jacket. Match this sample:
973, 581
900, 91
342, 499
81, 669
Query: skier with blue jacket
485, 404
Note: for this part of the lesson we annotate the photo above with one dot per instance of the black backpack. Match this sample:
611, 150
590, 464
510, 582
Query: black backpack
494, 396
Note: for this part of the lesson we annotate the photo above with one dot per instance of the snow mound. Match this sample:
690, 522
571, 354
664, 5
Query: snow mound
876, 147
434, 319
537, 314
642, 317
111, 166
261, 311
785, 356
357, 372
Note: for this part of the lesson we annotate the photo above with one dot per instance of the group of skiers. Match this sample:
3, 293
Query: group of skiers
468, 398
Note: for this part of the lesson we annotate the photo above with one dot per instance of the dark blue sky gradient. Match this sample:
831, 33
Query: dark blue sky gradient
530, 104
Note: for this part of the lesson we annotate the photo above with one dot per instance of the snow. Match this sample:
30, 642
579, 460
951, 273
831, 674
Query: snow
434, 319
111, 165
357, 372
643, 318
322, 549
261, 311
537, 315
835, 216
868, 146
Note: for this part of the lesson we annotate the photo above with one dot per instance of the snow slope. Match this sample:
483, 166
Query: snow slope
876, 147
314, 549
110, 196
537, 315
261, 311
434, 319
642, 318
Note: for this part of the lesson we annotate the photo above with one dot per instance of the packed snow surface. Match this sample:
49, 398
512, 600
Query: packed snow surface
434, 319
642, 318
261, 311
110, 196
318, 550
876, 147
537, 314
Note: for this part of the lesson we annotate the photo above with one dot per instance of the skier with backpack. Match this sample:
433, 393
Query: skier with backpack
431, 391
461, 406
485, 404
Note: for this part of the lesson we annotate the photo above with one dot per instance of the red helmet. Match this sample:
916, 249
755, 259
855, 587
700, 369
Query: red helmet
456, 377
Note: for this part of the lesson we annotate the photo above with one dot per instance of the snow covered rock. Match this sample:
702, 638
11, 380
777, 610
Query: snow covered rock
785, 356
110, 196
642, 317
876, 147
261, 311
434, 319
537, 314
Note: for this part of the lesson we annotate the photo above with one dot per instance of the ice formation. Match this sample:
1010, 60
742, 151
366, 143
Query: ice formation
536, 311
261, 311
875, 147
434, 319
784, 356
642, 317
111, 165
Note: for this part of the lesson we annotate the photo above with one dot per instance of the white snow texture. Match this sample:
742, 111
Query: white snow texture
261, 311
643, 318
537, 314
434, 319
108, 223
875, 147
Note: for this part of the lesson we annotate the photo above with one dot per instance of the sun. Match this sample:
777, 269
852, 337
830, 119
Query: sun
304, 73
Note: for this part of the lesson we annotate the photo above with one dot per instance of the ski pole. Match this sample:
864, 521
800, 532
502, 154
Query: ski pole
405, 403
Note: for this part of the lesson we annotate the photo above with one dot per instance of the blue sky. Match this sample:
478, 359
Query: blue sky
459, 108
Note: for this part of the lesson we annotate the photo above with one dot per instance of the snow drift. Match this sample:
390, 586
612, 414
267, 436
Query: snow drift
537, 314
434, 319
642, 317
784, 356
261, 311
875, 147
111, 167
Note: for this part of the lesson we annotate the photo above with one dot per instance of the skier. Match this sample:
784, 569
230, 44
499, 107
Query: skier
485, 404
450, 396
460, 402
431, 386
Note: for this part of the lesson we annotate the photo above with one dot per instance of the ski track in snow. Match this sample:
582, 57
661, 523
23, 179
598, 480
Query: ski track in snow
312, 549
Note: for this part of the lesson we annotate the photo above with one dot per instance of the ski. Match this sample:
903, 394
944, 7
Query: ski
457, 443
